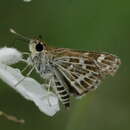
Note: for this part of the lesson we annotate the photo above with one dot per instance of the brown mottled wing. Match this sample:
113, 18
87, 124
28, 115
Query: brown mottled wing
83, 70
61, 89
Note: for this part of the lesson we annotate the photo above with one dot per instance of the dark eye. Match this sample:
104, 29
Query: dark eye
39, 47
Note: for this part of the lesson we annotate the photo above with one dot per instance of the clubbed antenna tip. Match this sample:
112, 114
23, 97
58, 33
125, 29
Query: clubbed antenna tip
12, 30
26, 39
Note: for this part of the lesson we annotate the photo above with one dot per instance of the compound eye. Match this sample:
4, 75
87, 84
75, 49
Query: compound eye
39, 47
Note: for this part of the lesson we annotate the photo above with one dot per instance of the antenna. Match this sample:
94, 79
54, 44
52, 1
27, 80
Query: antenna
19, 35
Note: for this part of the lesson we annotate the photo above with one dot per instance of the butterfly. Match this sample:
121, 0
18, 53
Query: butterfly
70, 72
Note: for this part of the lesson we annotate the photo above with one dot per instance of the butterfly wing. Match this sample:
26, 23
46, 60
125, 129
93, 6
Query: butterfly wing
61, 89
83, 70
79, 79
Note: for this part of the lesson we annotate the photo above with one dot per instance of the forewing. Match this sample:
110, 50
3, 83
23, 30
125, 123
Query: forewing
83, 71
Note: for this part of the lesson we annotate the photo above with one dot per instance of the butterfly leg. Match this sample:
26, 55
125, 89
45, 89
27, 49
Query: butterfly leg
26, 53
27, 75
24, 60
48, 91
25, 68
27, 61
48, 87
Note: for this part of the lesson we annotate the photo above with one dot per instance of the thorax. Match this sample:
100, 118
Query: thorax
42, 64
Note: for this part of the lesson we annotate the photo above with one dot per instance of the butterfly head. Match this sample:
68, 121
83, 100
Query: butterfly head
37, 46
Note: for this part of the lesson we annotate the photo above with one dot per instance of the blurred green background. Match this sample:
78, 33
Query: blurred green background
95, 25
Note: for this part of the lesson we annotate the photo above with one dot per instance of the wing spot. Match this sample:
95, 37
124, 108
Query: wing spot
106, 62
76, 84
65, 97
75, 76
60, 88
94, 55
57, 83
100, 58
83, 83
92, 77
110, 57
63, 93
97, 75
88, 62
74, 60
88, 80
91, 68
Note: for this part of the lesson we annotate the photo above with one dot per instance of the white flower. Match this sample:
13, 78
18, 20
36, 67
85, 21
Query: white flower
9, 56
28, 88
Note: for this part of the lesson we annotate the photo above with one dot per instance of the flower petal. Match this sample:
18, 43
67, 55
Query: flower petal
9, 56
30, 89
